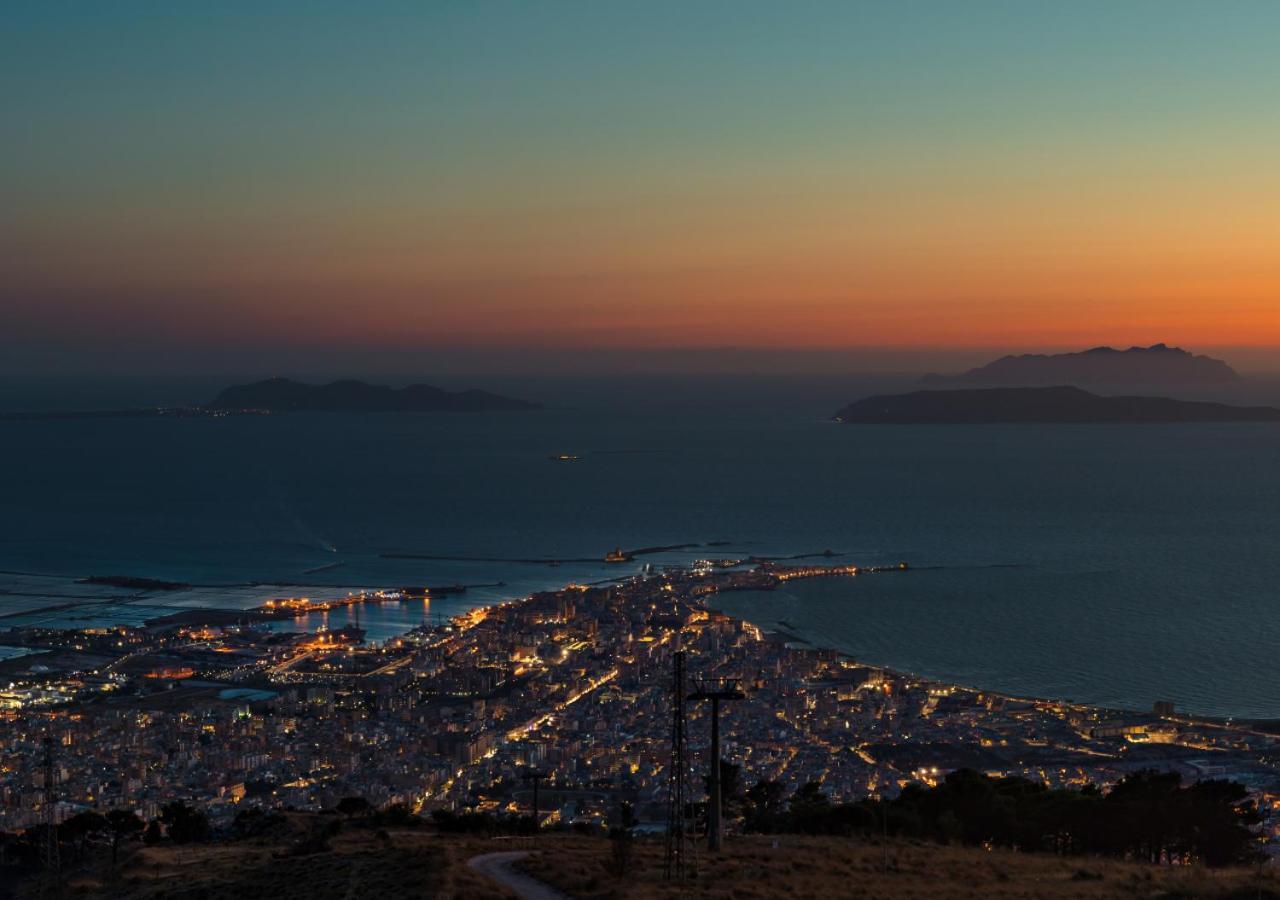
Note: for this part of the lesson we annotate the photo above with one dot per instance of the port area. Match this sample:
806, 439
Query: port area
735, 574
194, 648
282, 608
296, 607
770, 575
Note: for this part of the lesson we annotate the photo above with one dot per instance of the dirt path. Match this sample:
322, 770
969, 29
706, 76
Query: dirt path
498, 866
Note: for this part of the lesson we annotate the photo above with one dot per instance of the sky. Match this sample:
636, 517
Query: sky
209, 186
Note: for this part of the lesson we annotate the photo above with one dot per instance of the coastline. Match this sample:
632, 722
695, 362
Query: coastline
793, 635
1105, 712
761, 566
1151, 605
1264, 726
581, 678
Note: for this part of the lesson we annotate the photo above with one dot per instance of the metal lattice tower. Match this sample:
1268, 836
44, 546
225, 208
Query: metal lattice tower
49, 849
680, 827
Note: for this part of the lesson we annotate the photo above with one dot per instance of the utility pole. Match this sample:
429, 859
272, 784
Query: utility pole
884, 836
535, 775
715, 691
679, 842
50, 848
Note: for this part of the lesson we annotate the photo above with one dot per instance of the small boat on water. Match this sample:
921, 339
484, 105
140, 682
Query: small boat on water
564, 457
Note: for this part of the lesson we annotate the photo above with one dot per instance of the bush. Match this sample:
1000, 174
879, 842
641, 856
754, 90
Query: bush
1147, 816
184, 824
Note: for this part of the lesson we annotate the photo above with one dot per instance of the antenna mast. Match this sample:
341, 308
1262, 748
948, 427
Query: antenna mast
680, 828
50, 846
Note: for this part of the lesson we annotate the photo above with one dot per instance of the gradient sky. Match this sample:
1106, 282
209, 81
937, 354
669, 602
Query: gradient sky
227, 183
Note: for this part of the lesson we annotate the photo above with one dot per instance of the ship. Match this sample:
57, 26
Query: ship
617, 555
564, 457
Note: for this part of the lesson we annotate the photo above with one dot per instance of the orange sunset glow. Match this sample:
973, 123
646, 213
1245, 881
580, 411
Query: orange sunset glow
862, 179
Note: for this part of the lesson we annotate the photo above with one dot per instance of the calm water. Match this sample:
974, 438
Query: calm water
1108, 564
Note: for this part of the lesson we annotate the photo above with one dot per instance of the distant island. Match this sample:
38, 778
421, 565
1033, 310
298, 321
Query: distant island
1043, 405
1157, 364
284, 395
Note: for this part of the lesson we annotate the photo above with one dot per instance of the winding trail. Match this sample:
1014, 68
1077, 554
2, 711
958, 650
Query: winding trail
498, 866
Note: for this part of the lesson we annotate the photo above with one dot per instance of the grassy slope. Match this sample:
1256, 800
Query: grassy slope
421, 863
416, 863
752, 867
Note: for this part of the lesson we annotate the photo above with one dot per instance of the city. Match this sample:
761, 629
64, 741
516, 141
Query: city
575, 684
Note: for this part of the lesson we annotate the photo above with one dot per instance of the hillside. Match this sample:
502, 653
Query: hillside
790, 866
291, 863
423, 863
1157, 364
284, 395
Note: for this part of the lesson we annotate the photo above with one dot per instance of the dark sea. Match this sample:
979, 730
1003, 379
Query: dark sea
1107, 564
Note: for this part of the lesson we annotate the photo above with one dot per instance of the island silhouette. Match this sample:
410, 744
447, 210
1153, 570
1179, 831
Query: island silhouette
1157, 364
1062, 404
286, 395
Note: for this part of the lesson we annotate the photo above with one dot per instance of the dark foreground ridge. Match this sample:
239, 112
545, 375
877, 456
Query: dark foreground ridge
1157, 364
284, 395
359, 850
1042, 405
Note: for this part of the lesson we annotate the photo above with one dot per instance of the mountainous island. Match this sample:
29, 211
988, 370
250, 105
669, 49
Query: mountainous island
1038, 405
285, 395
1157, 364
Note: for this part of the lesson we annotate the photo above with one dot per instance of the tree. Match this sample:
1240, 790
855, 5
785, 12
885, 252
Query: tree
78, 828
731, 796
251, 823
1142, 815
622, 838
1221, 816
152, 835
763, 807
1147, 816
353, 806
808, 808
976, 805
397, 815
122, 823
19, 851
184, 824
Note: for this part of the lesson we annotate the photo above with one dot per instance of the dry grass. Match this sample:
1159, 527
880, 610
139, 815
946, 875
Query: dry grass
793, 866
414, 863
421, 863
